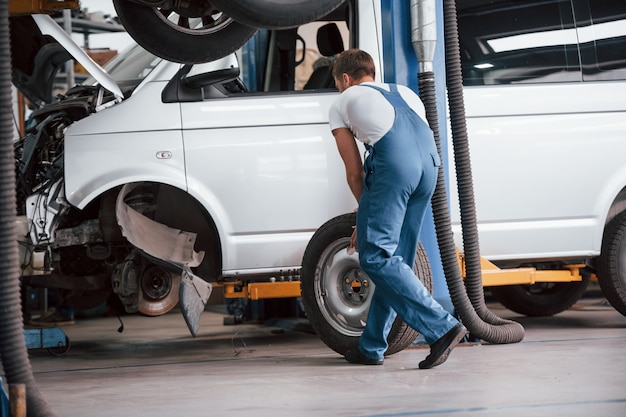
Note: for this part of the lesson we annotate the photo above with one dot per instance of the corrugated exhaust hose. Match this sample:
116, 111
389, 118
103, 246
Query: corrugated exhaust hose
467, 297
13, 352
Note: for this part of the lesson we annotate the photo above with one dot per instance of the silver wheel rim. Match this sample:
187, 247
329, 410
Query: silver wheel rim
343, 291
211, 21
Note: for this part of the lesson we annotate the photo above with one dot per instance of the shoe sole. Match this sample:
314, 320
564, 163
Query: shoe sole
457, 339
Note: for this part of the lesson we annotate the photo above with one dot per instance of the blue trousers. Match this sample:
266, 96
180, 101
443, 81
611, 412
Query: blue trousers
400, 178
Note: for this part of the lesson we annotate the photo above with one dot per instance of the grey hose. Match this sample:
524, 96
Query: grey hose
13, 350
468, 297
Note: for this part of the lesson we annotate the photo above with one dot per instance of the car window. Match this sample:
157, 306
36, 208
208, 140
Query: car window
299, 58
602, 34
505, 42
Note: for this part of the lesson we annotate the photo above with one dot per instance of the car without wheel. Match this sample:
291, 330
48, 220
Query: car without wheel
229, 167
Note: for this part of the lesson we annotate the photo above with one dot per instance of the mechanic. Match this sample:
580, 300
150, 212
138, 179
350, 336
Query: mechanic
393, 187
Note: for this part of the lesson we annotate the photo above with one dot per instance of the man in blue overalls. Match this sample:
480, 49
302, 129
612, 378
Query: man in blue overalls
393, 186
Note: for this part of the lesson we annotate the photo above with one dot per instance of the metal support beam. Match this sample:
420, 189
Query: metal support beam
24, 7
494, 276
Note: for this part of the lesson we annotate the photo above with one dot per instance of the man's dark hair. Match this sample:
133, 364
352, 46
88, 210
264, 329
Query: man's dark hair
354, 62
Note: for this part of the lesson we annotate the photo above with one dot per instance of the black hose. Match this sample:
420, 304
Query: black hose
13, 350
471, 247
468, 298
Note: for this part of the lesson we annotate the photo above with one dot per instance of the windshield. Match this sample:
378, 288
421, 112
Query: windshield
132, 64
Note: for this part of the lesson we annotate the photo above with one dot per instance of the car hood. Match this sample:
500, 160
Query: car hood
39, 48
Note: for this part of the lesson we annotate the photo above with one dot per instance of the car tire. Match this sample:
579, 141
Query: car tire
336, 294
612, 263
149, 27
276, 14
541, 299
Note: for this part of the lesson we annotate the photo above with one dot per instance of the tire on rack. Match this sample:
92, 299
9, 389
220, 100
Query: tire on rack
179, 38
276, 14
540, 299
612, 263
336, 294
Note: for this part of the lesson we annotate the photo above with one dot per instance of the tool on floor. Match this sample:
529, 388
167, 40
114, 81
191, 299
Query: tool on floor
53, 339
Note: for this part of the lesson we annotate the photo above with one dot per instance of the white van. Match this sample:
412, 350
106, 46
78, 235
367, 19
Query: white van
545, 97
236, 155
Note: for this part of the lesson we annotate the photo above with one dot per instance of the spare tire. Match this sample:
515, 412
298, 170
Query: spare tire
276, 14
336, 293
194, 33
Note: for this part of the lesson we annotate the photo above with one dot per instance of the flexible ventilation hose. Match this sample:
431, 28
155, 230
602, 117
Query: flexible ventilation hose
12, 343
468, 297
471, 247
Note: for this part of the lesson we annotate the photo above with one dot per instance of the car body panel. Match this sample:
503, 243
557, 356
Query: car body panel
270, 176
535, 182
123, 144
546, 122
263, 167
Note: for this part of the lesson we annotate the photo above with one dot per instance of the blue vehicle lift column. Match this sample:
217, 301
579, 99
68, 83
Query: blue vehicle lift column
401, 66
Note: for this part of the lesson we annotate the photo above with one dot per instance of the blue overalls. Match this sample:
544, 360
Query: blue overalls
400, 178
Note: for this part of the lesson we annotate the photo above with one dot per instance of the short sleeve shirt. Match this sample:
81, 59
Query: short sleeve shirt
367, 113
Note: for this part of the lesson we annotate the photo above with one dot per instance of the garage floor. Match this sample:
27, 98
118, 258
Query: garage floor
572, 364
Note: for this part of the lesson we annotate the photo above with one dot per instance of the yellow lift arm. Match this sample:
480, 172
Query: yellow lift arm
492, 276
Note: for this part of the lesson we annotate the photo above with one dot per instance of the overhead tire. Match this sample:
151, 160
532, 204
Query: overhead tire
541, 299
336, 293
175, 40
612, 263
276, 14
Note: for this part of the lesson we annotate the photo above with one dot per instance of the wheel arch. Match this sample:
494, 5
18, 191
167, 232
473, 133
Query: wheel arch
82, 194
610, 203
617, 206
176, 208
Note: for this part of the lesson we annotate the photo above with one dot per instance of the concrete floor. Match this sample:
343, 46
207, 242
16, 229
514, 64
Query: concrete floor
572, 364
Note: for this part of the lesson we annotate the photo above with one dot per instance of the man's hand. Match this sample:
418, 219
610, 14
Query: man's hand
353, 245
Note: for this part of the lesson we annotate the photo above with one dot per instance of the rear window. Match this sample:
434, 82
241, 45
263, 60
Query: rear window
507, 42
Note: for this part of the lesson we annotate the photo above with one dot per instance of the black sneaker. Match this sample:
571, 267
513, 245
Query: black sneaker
440, 350
355, 356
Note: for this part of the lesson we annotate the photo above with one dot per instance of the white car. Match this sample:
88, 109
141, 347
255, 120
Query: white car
546, 119
221, 167
239, 164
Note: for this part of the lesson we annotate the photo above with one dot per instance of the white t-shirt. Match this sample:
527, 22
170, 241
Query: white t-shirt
367, 113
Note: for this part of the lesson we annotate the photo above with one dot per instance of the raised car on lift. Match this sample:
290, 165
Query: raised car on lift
236, 155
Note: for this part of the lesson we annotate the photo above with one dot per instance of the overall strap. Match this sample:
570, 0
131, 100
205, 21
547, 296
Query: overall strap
393, 96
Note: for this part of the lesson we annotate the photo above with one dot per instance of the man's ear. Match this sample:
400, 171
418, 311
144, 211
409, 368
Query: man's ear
347, 80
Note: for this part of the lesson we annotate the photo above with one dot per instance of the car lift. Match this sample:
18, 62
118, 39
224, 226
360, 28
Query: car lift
492, 276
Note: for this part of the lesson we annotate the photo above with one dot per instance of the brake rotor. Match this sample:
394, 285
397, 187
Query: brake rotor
158, 292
